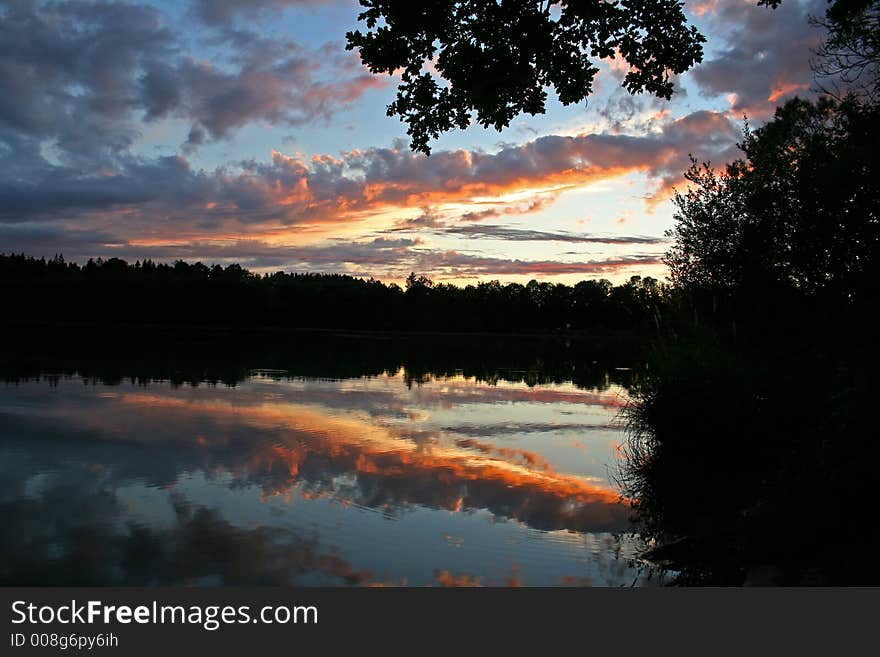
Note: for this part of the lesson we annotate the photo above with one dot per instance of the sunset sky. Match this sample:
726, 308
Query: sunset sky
243, 131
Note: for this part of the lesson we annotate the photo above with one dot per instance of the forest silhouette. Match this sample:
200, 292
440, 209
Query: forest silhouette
114, 292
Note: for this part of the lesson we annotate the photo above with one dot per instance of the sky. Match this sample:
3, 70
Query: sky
243, 131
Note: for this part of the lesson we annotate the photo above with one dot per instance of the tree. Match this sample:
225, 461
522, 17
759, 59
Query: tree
497, 58
417, 283
494, 59
849, 59
801, 211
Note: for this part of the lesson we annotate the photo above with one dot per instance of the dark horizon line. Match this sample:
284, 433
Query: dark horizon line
168, 262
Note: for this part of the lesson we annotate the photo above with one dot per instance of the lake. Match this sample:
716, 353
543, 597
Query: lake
272, 477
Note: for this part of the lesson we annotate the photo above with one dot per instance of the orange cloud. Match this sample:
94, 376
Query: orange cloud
702, 7
784, 88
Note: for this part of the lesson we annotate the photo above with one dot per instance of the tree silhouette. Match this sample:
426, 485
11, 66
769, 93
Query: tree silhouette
800, 212
497, 58
461, 60
776, 275
849, 59
112, 292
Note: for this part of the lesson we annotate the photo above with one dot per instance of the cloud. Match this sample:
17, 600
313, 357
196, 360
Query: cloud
702, 7
291, 86
54, 238
396, 175
299, 189
765, 56
223, 12
66, 74
31, 189
79, 81
463, 265
379, 257
508, 233
164, 207
363, 180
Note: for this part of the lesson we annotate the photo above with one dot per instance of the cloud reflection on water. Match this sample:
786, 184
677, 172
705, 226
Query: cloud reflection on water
409, 453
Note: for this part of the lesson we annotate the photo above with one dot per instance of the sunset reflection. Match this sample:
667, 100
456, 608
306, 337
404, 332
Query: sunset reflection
276, 462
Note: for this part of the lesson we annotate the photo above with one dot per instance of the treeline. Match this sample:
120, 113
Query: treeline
112, 291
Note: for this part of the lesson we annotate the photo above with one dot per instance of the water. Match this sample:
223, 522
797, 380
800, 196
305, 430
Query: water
282, 479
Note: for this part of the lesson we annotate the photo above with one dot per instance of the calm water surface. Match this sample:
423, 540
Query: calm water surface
309, 481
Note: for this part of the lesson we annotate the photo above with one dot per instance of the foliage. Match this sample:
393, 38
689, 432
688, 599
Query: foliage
498, 58
799, 213
485, 61
849, 60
